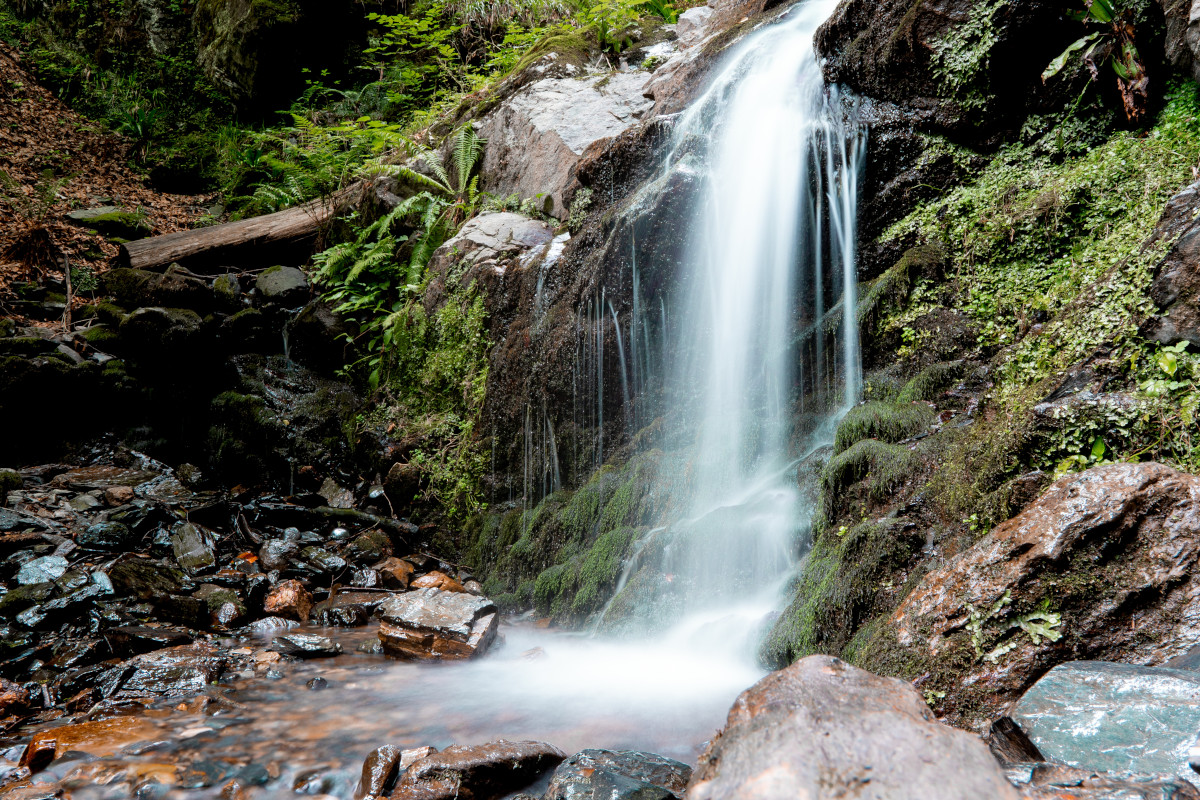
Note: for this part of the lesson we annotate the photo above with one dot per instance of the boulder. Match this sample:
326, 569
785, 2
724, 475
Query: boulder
824, 729
113, 222
154, 331
432, 624
1176, 289
379, 772
1117, 718
536, 137
967, 66
618, 775
489, 237
114, 536
691, 24
480, 772
283, 286
289, 600
1102, 566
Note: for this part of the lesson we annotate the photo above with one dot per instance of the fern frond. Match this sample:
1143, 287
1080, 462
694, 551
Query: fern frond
468, 149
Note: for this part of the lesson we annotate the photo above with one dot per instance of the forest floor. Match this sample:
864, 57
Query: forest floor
53, 161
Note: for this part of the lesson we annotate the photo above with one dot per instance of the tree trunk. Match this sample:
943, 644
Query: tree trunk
259, 241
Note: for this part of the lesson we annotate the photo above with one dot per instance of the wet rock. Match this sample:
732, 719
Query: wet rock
1117, 718
394, 573
269, 626
193, 548
14, 698
432, 624
99, 737
174, 671
144, 578
107, 536
289, 599
155, 331
305, 645
143, 639
316, 338
84, 479
322, 560
277, 554
1103, 566
437, 580
336, 496
1059, 782
347, 609
16, 600
403, 481
822, 728
379, 772
224, 605
369, 547
283, 286
317, 683
473, 587
1176, 292
481, 772
618, 775
41, 570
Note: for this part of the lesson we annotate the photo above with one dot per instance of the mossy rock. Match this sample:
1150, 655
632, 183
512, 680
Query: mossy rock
27, 346
101, 337
884, 466
931, 381
111, 221
887, 422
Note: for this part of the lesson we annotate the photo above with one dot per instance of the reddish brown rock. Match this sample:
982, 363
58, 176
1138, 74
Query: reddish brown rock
432, 624
1105, 566
289, 600
437, 580
395, 573
480, 772
824, 729
13, 698
98, 738
118, 495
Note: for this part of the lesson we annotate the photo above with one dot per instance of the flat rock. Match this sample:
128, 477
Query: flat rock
41, 570
437, 580
480, 772
1046, 781
1118, 718
286, 286
824, 729
143, 639
174, 671
432, 624
349, 608
111, 536
618, 775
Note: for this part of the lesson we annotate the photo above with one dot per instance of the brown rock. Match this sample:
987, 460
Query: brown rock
473, 587
379, 772
98, 738
1103, 567
118, 495
395, 573
289, 600
824, 729
437, 580
480, 772
432, 624
13, 698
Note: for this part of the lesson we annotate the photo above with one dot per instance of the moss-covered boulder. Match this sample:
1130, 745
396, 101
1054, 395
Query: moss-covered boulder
113, 222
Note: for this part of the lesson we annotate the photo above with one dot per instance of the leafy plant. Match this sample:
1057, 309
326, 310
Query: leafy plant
613, 22
1040, 625
1113, 45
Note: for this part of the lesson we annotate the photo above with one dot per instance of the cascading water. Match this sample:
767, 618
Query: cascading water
772, 251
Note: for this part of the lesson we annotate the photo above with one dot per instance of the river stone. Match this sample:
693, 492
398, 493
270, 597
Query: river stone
41, 570
174, 671
479, 772
277, 554
289, 599
823, 729
379, 772
305, 645
432, 624
618, 775
284, 286
107, 536
1115, 550
536, 137
1119, 718
348, 608
193, 548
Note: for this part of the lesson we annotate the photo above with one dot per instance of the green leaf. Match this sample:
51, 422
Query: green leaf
1101, 10
1098, 449
1057, 65
1168, 362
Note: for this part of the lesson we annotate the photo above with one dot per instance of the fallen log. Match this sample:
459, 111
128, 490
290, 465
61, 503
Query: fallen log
259, 241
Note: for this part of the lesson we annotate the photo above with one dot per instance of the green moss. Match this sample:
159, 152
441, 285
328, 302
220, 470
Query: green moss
962, 58
600, 569
887, 422
845, 578
931, 382
884, 466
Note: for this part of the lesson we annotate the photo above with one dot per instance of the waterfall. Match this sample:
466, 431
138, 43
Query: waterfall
772, 248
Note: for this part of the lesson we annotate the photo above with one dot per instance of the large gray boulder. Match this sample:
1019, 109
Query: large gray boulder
1117, 718
824, 729
536, 137
437, 625
496, 237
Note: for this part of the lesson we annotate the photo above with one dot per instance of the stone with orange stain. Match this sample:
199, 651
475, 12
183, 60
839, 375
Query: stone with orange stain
289, 600
394, 572
432, 624
13, 698
98, 738
437, 580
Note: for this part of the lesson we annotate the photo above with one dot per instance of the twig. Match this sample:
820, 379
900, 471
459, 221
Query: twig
67, 311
